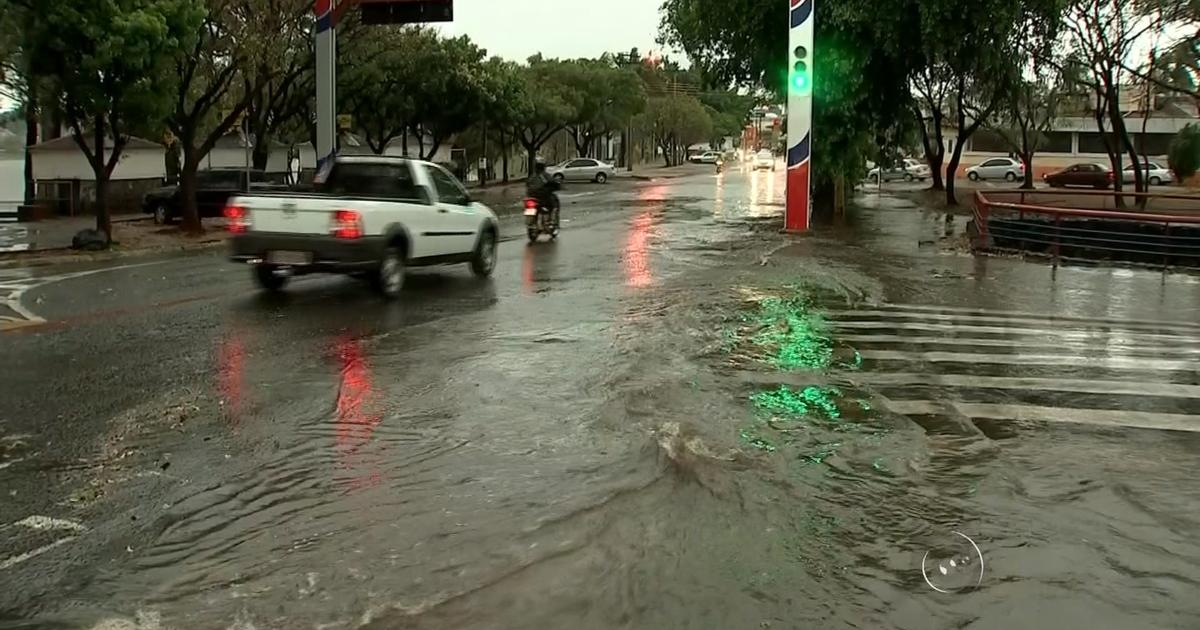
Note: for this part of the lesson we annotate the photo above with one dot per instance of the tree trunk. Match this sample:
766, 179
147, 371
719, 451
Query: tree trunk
31, 138
173, 163
934, 156
505, 150
260, 157
1027, 160
952, 170
187, 192
100, 172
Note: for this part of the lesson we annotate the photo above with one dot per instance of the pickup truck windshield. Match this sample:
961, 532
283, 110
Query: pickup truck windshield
393, 181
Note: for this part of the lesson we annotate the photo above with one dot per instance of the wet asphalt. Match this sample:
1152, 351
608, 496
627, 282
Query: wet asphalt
673, 417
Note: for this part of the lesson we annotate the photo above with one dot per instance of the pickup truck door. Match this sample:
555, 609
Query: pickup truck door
458, 221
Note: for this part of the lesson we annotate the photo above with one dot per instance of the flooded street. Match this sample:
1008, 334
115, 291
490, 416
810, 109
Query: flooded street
672, 417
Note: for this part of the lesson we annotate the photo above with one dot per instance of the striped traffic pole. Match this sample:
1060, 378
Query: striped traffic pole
326, 75
800, 86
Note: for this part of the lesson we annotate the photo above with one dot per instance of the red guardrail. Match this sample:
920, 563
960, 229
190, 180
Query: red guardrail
1166, 238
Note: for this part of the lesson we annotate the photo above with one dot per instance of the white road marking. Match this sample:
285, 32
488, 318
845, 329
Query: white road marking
908, 364
1094, 417
14, 285
18, 559
1030, 359
47, 522
1079, 386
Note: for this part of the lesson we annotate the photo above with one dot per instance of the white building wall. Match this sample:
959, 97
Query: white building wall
134, 164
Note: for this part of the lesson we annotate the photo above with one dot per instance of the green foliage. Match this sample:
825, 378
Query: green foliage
1184, 153
676, 122
608, 98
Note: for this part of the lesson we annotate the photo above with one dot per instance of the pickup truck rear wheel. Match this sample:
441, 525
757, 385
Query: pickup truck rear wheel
388, 279
484, 260
267, 279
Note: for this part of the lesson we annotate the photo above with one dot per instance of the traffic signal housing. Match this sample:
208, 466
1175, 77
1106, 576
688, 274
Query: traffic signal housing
801, 74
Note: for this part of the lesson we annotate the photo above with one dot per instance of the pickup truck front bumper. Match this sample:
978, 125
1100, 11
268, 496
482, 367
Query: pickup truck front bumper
328, 254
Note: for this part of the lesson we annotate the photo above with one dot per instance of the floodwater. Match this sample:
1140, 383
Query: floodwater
678, 418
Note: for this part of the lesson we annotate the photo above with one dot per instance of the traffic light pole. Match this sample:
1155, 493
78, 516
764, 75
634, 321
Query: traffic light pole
800, 89
326, 76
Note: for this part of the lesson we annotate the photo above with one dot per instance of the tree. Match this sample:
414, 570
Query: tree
218, 76
546, 104
675, 123
382, 81
1027, 115
864, 57
1184, 156
1104, 35
110, 63
609, 97
287, 81
449, 99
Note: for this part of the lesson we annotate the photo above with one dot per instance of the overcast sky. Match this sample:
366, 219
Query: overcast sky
516, 29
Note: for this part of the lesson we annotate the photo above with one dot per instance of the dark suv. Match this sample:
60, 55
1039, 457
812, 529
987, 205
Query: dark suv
213, 189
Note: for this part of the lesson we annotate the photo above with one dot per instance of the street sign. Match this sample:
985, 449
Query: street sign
406, 11
800, 103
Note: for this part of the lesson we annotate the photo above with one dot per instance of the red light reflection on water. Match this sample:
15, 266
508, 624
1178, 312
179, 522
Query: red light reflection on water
636, 256
357, 410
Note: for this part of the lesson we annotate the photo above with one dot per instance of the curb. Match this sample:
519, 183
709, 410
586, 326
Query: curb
47, 257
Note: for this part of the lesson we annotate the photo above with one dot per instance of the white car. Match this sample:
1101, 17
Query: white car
708, 157
1153, 172
908, 170
582, 170
764, 159
368, 216
1004, 168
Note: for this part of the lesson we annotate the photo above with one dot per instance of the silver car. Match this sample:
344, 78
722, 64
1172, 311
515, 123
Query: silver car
1004, 168
1153, 172
582, 170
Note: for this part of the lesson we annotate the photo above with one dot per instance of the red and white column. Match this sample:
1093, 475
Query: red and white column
800, 90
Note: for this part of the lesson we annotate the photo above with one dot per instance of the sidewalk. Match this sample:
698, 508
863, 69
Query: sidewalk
53, 233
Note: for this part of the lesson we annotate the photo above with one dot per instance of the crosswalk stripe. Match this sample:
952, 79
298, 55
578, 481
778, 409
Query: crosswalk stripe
1095, 417
1032, 359
934, 361
903, 308
1027, 332
1063, 345
1080, 386
1015, 320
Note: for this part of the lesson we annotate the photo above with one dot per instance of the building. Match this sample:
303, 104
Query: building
66, 184
1076, 138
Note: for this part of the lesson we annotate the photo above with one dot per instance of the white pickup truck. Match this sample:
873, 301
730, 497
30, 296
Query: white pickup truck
368, 216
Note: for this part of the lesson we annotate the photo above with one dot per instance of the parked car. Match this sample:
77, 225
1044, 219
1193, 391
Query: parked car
708, 157
1004, 168
764, 160
1153, 172
907, 169
582, 170
371, 217
213, 190
1087, 174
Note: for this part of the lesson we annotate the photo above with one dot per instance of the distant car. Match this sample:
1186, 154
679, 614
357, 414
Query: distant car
1086, 174
213, 189
1004, 168
908, 170
582, 170
1153, 172
708, 157
764, 160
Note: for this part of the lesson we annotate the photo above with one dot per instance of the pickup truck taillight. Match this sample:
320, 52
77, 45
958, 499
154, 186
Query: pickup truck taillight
237, 219
347, 224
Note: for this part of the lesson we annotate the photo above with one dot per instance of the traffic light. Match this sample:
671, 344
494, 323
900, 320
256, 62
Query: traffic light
801, 75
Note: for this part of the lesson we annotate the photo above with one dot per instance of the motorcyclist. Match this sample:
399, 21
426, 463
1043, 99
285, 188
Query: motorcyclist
541, 186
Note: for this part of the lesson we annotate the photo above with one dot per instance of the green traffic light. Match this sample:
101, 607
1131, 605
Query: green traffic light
800, 82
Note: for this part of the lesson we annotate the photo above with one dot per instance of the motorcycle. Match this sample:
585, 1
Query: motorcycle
539, 220
720, 166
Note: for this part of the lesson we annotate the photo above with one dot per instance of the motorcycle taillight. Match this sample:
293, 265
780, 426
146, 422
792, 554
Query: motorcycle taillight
531, 204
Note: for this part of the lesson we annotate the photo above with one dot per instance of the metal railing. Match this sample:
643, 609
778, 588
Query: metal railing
1159, 237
